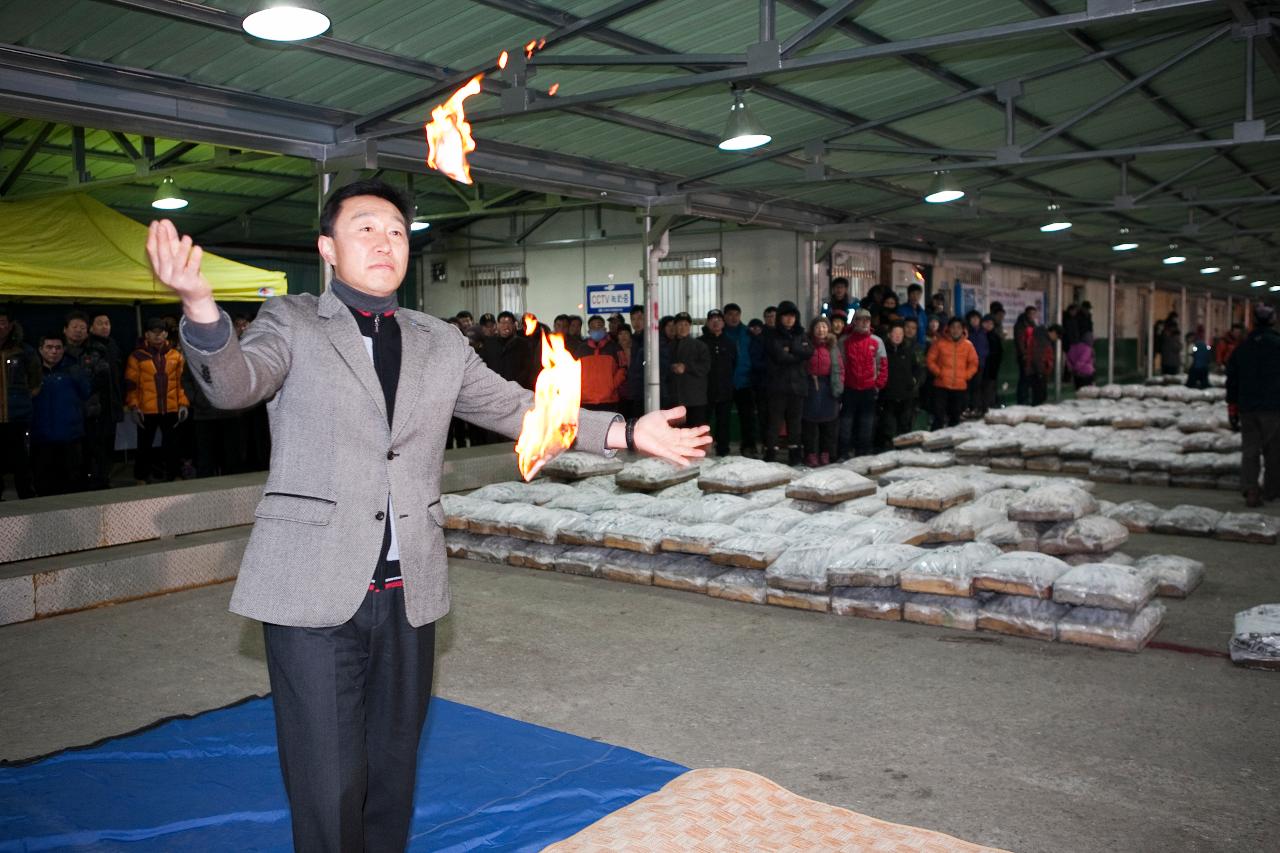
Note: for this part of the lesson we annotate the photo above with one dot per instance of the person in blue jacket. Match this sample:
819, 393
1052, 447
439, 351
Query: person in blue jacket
57, 422
914, 309
744, 395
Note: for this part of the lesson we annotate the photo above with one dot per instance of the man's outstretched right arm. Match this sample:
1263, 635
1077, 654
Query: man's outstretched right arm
233, 373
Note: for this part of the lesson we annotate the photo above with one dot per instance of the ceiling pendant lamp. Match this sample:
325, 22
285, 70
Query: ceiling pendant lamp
1125, 243
168, 196
944, 189
1173, 257
1057, 221
742, 132
285, 21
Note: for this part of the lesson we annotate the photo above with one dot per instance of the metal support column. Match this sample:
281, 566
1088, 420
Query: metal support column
1057, 347
986, 283
325, 181
655, 249
1208, 318
1184, 318
1111, 330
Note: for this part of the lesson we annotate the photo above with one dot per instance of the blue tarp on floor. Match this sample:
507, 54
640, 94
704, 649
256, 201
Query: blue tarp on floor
212, 782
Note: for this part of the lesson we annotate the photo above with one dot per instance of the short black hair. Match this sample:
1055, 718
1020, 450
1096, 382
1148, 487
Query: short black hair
996, 307
560, 317
486, 318
1056, 329
96, 314
755, 323
6, 311
595, 317
732, 306
955, 321
573, 317
464, 313
373, 187
75, 315
839, 280
914, 288
507, 314
51, 336
636, 308
684, 315
773, 308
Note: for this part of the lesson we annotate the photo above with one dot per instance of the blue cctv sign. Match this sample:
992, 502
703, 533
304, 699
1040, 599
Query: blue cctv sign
610, 298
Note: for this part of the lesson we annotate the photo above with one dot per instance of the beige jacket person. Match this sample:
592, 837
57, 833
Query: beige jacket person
334, 462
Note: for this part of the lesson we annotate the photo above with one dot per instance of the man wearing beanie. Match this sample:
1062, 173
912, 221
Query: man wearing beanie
1253, 403
346, 565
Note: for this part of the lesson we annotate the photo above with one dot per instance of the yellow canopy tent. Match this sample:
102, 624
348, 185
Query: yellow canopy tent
74, 247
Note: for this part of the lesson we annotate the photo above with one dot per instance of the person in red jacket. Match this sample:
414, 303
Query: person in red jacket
952, 362
866, 371
602, 371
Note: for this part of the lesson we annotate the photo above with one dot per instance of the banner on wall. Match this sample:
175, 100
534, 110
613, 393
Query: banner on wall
969, 297
610, 298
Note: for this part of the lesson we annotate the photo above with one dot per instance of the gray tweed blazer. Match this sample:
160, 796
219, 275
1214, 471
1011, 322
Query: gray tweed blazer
318, 528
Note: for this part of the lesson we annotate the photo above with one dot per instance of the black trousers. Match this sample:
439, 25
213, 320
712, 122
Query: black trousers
219, 447
14, 457
145, 463
350, 702
695, 415
784, 408
744, 400
893, 418
820, 437
1260, 435
721, 427
98, 446
947, 406
857, 421
57, 467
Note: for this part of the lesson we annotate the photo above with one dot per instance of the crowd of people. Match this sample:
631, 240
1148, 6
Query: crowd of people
846, 383
64, 393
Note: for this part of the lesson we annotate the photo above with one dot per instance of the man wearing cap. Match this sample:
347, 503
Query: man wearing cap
720, 378
1253, 404
346, 564
155, 400
690, 367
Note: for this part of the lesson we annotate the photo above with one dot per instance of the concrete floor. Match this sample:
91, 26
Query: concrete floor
1020, 744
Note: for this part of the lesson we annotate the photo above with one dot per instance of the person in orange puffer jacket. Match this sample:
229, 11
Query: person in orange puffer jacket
602, 370
953, 362
155, 399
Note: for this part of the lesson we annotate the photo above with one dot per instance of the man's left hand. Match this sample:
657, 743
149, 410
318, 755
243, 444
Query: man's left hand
655, 436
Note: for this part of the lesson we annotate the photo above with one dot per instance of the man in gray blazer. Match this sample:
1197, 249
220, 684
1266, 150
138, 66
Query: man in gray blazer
346, 564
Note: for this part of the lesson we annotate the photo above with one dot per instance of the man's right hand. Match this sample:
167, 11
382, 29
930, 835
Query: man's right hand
175, 263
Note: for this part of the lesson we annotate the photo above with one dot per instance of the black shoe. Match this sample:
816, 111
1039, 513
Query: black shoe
771, 455
749, 452
794, 456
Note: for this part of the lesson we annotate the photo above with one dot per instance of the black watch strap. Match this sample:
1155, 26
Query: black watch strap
631, 433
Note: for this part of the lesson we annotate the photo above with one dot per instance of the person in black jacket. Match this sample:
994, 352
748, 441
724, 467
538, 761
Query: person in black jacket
759, 367
720, 390
1253, 404
788, 349
506, 354
993, 325
896, 402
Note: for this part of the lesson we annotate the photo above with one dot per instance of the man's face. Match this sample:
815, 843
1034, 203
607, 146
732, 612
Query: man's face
558, 327
862, 325
76, 332
101, 326
506, 327
913, 296
465, 323
839, 290
575, 327
787, 320
1032, 316
488, 328
732, 318
155, 337
837, 326
896, 335
369, 249
770, 317
912, 328
615, 323
987, 325
999, 318
682, 328
595, 323
637, 320
51, 352
955, 331
716, 325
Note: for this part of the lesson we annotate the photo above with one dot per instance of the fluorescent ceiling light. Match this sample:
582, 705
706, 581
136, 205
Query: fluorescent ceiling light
944, 189
168, 197
419, 226
285, 22
1257, 283
1124, 247
1210, 270
1239, 277
1175, 259
1057, 222
1274, 287
742, 131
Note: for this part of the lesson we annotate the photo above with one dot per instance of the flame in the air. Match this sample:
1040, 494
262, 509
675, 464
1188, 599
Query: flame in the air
551, 426
530, 325
449, 139
502, 59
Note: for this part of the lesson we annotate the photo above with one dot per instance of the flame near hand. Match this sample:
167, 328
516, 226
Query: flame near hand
449, 139
551, 426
